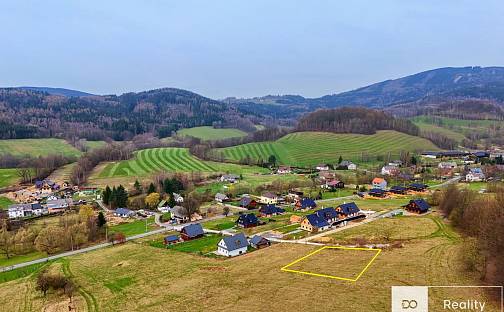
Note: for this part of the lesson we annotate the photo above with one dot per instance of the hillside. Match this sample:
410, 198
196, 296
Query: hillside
38, 147
311, 148
209, 133
57, 91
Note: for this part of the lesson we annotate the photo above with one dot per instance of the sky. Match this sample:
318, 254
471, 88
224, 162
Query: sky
241, 48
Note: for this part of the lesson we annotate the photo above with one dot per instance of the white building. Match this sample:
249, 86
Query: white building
284, 170
475, 175
219, 197
322, 167
447, 165
231, 246
178, 198
390, 170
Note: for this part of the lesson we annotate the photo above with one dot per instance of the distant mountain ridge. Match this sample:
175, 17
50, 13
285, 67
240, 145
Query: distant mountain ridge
57, 91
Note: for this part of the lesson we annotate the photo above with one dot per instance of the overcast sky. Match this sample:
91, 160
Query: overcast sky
241, 48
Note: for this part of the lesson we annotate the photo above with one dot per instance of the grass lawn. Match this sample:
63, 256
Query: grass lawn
95, 144
203, 245
37, 147
338, 193
220, 224
8, 177
5, 202
370, 204
134, 228
210, 133
21, 258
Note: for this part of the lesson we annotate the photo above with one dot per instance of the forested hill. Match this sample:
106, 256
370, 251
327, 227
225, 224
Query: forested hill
28, 113
354, 120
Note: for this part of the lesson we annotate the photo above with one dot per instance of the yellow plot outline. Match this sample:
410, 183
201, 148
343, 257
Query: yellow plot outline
285, 268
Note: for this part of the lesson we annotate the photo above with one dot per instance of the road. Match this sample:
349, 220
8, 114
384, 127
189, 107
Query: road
447, 182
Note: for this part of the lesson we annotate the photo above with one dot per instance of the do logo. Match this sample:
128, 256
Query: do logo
409, 304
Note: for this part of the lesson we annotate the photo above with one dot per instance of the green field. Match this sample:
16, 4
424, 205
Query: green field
95, 144
5, 202
456, 128
37, 147
209, 133
427, 127
166, 159
8, 177
311, 148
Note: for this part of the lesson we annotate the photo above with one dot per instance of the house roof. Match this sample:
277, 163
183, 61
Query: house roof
248, 218
317, 221
234, 242
257, 239
322, 165
193, 230
376, 191
171, 238
245, 201
349, 208
422, 204
271, 209
378, 180
57, 203
308, 203
327, 213
269, 195
346, 163
221, 196
398, 188
179, 212
123, 211
334, 182
418, 185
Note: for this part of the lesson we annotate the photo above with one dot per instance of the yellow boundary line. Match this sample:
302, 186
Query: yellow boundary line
285, 268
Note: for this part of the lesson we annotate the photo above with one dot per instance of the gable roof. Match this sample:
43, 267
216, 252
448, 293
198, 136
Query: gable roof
398, 188
248, 218
376, 191
378, 180
349, 208
234, 242
271, 209
269, 195
245, 201
257, 239
421, 203
179, 212
418, 185
346, 163
327, 213
123, 211
317, 221
334, 182
308, 203
193, 230
221, 196
171, 238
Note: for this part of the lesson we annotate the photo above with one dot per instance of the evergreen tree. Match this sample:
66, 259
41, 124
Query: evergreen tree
340, 160
113, 198
122, 197
171, 202
138, 186
106, 195
101, 219
151, 189
168, 186
272, 160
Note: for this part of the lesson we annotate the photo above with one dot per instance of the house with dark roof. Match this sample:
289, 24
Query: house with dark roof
314, 223
259, 242
418, 187
171, 239
333, 185
417, 206
231, 246
329, 214
348, 210
249, 203
192, 231
400, 190
247, 220
346, 165
305, 204
270, 210
124, 213
376, 192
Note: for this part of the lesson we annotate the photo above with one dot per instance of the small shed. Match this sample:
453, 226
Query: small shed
171, 239
259, 242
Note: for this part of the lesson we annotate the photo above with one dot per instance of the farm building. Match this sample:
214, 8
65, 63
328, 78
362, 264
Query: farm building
348, 210
268, 198
259, 242
192, 231
247, 220
346, 165
305, 203
249, 203
231, 246
230, 178
417, 206
329, 214
401, 190
270, 210
284, 170
322, 167
314, 223
418, 187
219, 197
333, 185
376, 192
171, 239
179, 214
124, 213
379, 183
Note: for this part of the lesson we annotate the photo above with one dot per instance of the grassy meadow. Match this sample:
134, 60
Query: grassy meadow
311, 148
139, 277
457, 127
208, 133
37, 147
8, 177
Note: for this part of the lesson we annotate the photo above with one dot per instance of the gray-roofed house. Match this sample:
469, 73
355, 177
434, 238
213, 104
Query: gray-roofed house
192, 231
179, 214
259, 242
231, 246
219, 197
57, 205
124, 213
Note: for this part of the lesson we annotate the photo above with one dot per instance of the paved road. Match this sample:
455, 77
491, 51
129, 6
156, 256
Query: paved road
447, 182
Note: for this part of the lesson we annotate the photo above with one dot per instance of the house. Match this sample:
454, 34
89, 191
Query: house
475, 175
249, 203
124, 213
268, 198
247, 220
379, 183
390, 170
481, 154
329, 214
270, 210
295, 219
219, 197
346, 165
179, 214
447, 165
171, 239
396, 163
38, 209
305, 203
19, 211
192, 231
314, 223
284, 170
57, 205
418, 187
259, 242
322, 167
348, 210
178, 198
376, 192
326, 175
333, 185
295, 195
231, 246
401, 190
417, 206
230, 178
